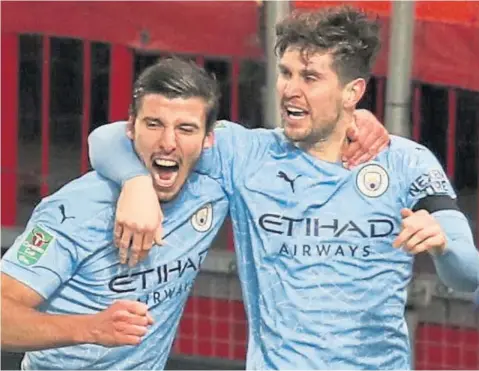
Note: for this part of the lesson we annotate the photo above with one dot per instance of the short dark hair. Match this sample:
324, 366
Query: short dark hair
351, 37
178, 78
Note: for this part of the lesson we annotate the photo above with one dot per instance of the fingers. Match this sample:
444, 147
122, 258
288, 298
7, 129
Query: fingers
360, 160
148, 241
130, 318
159, 235
149, 318
139, 237
368, 139
420, 233
133, 313
352, 146
127, 328
409, 228
124, 244
352, 133
417, 238
129, 340
349, 151
379, 143
133, 307
403, 237
405, 213
136, 248
363, 150
123, 253
429, 244
376, 138
139, 240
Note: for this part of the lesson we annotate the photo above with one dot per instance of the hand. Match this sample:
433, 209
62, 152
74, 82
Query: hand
420, 232
125, 322
138, 220
368, 137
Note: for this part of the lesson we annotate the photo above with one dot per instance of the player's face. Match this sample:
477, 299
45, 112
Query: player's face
310, 94
169, 135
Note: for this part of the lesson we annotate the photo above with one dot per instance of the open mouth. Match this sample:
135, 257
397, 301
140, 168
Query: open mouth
166, 172
295, 113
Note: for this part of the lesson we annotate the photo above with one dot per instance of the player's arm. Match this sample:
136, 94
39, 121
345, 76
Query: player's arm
112, 155
433, 222
24, 328
138, 216
31, 273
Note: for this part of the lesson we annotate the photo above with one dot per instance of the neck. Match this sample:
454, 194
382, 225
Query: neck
330, 149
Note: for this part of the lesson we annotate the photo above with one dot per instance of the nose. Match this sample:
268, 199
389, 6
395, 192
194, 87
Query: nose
167, 140
292, 89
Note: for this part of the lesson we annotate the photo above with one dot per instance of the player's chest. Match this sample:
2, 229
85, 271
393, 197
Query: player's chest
352, 212
167, 272
365, 191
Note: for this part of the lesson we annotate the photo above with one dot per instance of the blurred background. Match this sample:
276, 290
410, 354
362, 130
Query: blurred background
68, 67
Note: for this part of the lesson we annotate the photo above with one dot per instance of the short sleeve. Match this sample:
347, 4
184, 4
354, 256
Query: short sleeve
425, 183
42, 258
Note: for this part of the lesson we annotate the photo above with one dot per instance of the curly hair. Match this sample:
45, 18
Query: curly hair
347, 33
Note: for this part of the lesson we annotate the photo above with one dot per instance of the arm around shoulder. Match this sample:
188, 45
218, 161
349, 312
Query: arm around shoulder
112, 154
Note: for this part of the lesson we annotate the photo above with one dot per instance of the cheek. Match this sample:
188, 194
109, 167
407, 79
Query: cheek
323, 100
280, 84
191, 149
145, 145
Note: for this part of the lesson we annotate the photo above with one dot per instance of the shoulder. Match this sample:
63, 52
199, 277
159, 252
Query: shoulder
400, 145
254, 141
224, 128
87, 203
405, 154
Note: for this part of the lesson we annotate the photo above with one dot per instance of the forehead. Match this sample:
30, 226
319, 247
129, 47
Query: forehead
319, 61
174, 110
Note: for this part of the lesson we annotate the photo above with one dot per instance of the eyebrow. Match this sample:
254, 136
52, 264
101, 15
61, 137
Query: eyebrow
304, 72
309, 71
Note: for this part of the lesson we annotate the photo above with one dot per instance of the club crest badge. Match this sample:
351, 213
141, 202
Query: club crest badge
372, 180
202, 220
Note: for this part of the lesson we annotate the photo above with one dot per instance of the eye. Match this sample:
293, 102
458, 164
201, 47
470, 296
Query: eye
284, 73
310, 78
152, 124
187, 129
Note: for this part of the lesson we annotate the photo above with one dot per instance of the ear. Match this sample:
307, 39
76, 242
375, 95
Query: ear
130, 127
353, 92
209, 140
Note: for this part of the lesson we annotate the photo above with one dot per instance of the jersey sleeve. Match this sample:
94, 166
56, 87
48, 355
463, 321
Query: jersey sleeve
425, 185
112, 154
234, 146
41, 258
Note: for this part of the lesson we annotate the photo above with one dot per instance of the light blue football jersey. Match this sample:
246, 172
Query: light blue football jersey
322, 285
66, 254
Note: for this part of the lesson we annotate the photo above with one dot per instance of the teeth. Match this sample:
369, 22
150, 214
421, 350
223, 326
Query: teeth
169, 163
295, 110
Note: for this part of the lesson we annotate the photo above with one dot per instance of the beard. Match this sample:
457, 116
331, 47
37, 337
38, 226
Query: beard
316, 132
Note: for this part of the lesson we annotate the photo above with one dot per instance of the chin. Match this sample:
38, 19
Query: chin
296, 134
166, 196
169, 194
